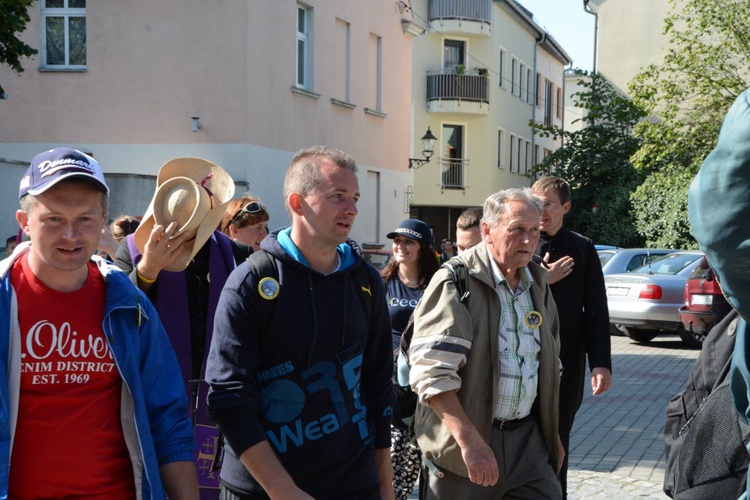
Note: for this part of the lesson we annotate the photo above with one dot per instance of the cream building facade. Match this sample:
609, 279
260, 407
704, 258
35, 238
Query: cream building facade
124, 81
482, 70
629, 37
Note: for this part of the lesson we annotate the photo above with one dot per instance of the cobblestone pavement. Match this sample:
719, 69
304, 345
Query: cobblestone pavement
617, 443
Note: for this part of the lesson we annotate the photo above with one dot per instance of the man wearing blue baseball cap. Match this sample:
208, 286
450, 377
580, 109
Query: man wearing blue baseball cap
96, 406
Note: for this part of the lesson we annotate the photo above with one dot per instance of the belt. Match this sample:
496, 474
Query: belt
509, 425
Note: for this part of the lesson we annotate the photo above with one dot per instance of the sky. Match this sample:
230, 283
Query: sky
569, 24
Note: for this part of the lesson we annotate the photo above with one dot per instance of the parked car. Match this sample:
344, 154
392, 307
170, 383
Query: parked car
625, 260
646, 302
376, 256
704, 302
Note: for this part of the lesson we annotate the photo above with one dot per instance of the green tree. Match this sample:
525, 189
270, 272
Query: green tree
13, 20
706, 66
596, 162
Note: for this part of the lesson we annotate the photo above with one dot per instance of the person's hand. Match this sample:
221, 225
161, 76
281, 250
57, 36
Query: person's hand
107, 243
560, 452
160, 250
559, 269
481, 462
601, 380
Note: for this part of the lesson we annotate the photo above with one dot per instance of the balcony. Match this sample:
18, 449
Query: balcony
451, 92
453, 173
461, 17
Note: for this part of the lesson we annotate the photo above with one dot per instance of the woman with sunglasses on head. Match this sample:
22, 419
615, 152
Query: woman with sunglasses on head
246, 221
406, 276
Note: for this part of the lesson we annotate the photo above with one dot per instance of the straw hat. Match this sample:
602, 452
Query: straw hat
194, 193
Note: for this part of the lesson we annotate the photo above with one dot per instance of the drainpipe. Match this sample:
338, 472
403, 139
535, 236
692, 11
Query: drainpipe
591, 11
587, 8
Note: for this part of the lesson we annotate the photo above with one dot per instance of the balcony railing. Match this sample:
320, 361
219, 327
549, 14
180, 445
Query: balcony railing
467, 10
453, 173
447, 84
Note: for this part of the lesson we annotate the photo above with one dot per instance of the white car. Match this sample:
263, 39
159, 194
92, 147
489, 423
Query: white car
646, 302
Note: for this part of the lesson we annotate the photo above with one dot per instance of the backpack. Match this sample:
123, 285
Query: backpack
704, 440
406, 399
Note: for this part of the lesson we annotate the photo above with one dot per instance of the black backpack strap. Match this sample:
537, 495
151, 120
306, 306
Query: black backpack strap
460, 277
263, 265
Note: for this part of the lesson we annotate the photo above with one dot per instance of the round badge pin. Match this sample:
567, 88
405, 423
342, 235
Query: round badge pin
533, 320
268, 288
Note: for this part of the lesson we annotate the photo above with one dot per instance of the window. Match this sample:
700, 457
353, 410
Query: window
521, 86
536, 155
558, 102
548, 96
512, 151
453, 53
64, 40
501, 68
513, 76
304, 47
537, 90
452, 169
341, 53
529, 86
519, 152
376, 63
528, 165
500, 149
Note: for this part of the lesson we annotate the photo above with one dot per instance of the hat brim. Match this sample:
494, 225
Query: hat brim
393, 234
221, 187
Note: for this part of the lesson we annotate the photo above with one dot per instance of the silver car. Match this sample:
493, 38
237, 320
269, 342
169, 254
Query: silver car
646, 302
625, 260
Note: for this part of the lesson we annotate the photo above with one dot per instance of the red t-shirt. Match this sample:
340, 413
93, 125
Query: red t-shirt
69, 439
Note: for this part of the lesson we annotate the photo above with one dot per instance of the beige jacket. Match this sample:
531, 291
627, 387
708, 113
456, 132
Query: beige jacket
455, 347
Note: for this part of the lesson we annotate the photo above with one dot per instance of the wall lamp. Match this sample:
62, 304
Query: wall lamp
428, 148
197, 125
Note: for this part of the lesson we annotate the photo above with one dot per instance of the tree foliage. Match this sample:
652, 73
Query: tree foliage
596, 162
706, 66
13, 19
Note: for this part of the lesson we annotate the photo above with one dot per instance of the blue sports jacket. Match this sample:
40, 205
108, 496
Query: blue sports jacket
158, 431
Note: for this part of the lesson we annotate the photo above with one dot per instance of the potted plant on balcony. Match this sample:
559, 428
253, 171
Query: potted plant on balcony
460, 69
482, 71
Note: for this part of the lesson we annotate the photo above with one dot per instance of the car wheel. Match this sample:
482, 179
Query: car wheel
690, 338
613, 330
638, 335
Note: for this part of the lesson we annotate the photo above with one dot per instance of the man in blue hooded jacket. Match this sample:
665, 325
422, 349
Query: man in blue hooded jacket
91, 401
304, 397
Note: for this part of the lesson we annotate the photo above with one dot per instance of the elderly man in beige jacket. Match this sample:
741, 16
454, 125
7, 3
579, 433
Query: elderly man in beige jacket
488, 373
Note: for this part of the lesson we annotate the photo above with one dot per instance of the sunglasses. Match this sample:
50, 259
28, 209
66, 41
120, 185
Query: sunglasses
251, 208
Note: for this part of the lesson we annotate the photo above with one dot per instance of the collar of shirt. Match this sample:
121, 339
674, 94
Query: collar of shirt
526, 279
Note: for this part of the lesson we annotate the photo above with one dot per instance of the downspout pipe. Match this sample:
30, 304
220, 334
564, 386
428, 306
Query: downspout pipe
587, 8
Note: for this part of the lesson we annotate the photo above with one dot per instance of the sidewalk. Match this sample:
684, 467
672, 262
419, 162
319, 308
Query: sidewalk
617, 446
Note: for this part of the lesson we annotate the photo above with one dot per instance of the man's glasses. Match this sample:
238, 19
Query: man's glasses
251, 208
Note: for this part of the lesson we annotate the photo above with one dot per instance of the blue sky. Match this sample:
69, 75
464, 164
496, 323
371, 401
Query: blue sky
569, 24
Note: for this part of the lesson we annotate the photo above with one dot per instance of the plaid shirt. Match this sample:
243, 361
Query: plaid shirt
518, 348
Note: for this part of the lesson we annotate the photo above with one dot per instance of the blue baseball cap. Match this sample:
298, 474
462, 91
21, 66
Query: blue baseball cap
50, 167
414, 229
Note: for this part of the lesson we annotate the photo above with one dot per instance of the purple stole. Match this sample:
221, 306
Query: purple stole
172, 305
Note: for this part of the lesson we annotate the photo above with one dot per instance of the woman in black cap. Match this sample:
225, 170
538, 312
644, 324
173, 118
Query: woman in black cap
406, 276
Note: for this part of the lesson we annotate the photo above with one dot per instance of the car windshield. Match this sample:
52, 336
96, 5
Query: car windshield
670, 264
